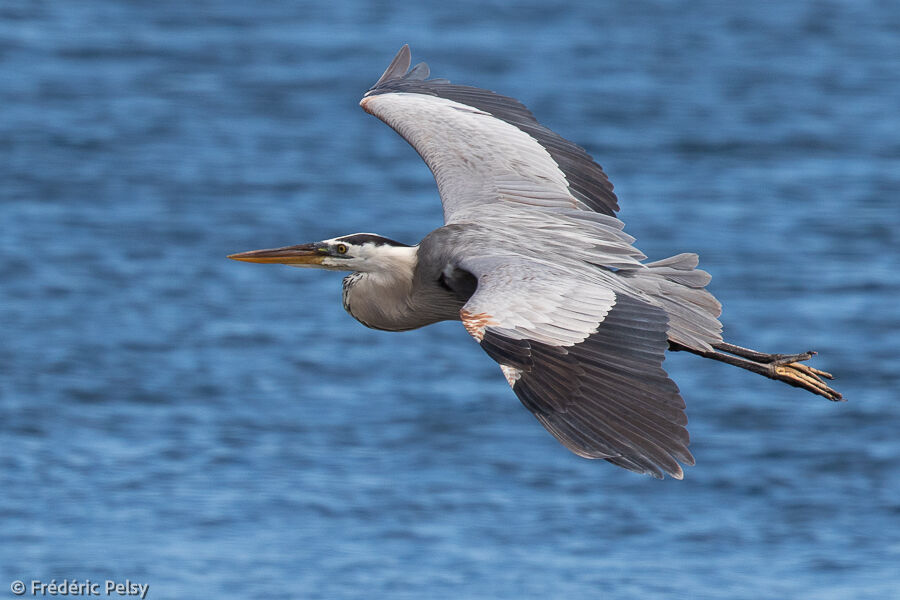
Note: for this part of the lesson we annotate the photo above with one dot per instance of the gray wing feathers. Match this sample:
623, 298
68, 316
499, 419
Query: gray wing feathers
583, 183
578, 240
573, 238
563, 302
522, 299
584, 359
608, 396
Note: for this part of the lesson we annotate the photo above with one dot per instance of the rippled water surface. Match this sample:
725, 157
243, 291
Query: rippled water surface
225, 430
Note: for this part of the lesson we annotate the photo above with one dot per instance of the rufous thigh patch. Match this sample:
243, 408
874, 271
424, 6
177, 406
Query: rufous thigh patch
512, 374
475, 323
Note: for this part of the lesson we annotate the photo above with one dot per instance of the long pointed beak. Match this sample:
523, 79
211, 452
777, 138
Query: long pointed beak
304, 254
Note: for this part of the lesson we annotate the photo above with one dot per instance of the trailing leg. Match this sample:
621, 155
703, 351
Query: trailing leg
781, 367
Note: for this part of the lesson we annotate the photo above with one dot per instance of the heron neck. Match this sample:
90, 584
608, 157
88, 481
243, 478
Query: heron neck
382, 297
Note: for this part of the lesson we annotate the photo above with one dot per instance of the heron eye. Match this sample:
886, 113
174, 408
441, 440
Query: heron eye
341, 249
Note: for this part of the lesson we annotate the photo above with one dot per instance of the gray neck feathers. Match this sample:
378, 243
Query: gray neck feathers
394, 295
380, 296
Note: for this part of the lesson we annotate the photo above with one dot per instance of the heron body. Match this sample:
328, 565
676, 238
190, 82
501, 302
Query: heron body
539, 270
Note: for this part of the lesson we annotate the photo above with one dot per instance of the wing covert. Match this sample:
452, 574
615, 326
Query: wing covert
585, 360
483, 147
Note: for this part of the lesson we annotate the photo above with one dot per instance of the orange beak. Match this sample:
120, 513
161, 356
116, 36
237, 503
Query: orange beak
304, 254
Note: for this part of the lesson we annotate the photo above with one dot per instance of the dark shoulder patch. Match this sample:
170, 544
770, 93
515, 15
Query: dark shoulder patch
459, 282
358, 239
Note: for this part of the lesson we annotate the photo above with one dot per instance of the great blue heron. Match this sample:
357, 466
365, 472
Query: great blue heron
537, 267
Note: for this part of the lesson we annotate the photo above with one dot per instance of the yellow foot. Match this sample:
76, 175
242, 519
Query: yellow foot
808, 378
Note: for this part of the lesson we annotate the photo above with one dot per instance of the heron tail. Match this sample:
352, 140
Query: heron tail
679, 288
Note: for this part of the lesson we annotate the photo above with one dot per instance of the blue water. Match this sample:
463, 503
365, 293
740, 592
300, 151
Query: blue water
225, 430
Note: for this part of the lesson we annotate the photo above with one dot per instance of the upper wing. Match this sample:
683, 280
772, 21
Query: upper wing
483, 147
586, 360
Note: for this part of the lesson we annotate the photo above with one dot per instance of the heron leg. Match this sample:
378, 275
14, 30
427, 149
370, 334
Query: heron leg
780, 367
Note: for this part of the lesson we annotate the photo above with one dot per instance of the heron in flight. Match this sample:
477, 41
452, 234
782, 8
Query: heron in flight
534, 262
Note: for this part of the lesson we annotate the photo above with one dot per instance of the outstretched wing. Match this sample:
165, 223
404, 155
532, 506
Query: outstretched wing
586, 360
483, 147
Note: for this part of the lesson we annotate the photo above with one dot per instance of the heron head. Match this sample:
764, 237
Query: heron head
362, 252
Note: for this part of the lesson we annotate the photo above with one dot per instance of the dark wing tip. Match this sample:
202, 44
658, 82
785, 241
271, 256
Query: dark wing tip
400, 77
398, 67
419, 72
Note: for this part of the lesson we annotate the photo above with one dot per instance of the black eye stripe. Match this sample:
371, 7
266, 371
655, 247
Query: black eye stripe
357, 239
